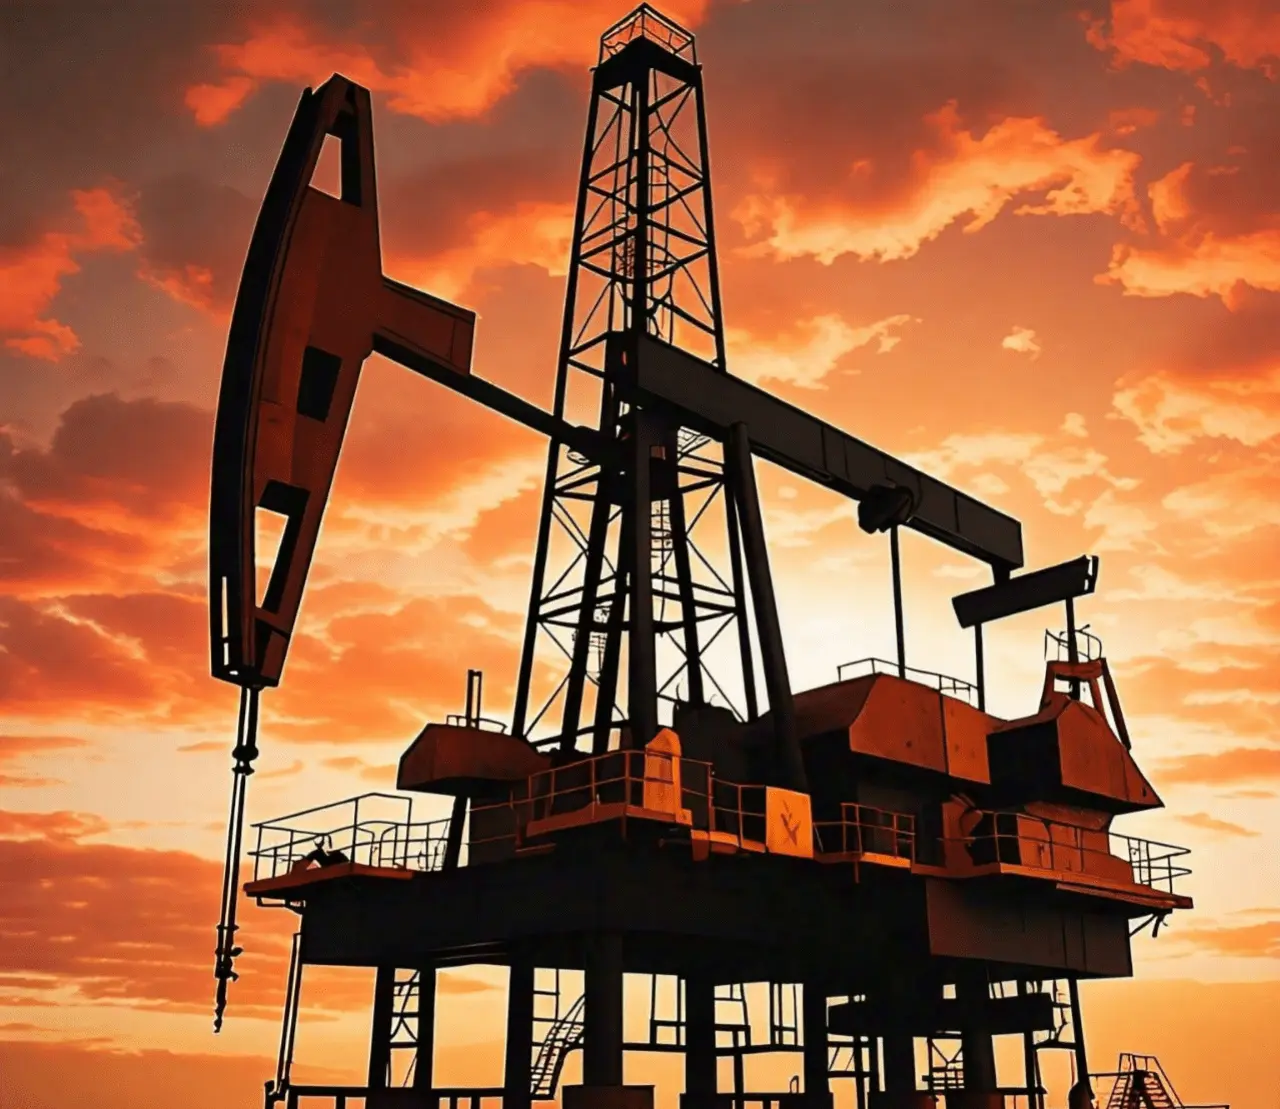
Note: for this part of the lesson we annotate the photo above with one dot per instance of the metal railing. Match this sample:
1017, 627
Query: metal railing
356, 830
943, 683
1029, 841
645, 22
394, 1097
484, 723
864, 830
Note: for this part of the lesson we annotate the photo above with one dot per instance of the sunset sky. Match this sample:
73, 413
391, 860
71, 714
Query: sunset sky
1033, 246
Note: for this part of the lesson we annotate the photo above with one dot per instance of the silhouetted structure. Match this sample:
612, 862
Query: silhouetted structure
902, 868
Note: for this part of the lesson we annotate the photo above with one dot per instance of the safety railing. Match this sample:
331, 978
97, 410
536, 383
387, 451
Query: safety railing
943, 683
395, 1097
374, 829
864, 830
1021, 839
644, 22
484, 723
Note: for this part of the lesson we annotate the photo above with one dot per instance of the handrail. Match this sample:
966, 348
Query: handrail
1064, 847
461, 720
864, 829
943, 683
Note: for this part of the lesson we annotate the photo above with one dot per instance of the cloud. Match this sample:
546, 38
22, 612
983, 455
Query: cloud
1208, 823
965, 176
1183, 35
809, 355
1022, 340
31, 275
1236, 764
1245, 941
20, 748
1217, 235
439, 64
1172, 411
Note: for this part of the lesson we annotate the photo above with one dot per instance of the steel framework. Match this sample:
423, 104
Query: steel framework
643, 262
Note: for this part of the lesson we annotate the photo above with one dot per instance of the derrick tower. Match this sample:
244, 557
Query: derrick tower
642, 263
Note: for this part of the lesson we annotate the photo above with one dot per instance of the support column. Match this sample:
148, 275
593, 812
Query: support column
424, 1054
977, 1043
777, 683
517, 1073
602, 1021
700, 1078
895, 558
817, 1081
384, 999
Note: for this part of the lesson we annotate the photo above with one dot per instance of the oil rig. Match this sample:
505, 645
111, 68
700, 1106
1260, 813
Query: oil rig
905, 875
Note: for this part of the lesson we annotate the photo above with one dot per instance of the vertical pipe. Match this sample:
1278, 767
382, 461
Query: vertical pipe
895, 559
980, 667
384, 999
1073, 653
777, 682
817, 1081
642, 686
517, 1073
424, 1053
700, 1038
602, 1020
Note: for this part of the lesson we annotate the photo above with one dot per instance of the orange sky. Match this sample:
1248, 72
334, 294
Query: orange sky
1032, 247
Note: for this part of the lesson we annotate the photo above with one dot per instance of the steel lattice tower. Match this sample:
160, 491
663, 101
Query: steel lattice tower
619, 583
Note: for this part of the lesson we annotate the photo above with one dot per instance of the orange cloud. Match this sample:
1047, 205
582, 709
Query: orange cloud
73, 913
535, 233
1181, 35
1174, 410
807, 358
1204, 265
1237, 764
449, 64
31, 276
1207, 823
967, 176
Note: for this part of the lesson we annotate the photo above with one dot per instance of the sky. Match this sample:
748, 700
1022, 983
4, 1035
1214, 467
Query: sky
1031, 246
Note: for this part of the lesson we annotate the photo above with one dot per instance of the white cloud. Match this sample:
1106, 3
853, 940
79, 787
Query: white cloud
806, 360
1022, 340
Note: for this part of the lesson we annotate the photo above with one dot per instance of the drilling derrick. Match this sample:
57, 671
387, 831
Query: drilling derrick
643, 262
902, 875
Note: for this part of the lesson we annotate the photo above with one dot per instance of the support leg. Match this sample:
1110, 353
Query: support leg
700, 1081
519, 1054
777, 682
384, 998
424, 1054
817, 1082
602, 1032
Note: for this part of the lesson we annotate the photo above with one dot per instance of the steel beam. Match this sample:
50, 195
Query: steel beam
700, 396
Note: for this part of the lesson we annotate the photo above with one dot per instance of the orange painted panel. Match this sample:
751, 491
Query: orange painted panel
901, 721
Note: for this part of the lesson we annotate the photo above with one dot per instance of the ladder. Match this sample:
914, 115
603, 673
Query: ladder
562, 1037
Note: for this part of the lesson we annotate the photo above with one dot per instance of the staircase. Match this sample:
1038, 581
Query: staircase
1142, 1084
562, 1037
